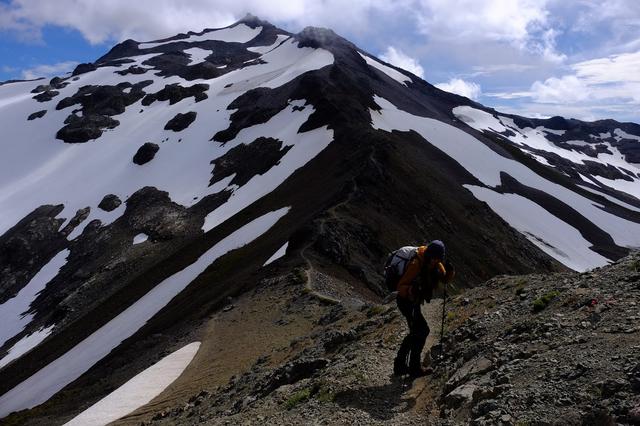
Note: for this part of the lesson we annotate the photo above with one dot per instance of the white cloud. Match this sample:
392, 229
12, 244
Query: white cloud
523, 24
398, 58
597, 88
48, 70
116, 20
479, 70
598, 80
460, 87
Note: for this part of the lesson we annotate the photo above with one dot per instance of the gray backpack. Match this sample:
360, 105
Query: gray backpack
396, 264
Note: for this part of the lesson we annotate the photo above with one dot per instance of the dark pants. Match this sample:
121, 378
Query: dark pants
411, 348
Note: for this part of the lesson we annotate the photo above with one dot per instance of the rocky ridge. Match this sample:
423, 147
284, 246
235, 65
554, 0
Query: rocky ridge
557, 349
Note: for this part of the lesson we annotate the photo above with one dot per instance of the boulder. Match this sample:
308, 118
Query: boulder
145, 153
109, 203
180, 121
37, 114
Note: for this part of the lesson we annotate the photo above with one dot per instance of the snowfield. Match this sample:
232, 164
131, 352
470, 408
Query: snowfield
486, 165
13, 313
45, 383
36, 168
396, 75
278, 254
529, 138
138, 391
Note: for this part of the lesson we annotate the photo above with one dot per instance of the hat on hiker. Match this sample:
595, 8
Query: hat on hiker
435, 249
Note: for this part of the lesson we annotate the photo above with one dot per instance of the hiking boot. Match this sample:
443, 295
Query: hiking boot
419, 372
400, 369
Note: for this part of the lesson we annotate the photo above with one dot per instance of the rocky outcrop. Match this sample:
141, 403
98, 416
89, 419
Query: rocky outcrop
97, 105
181, 121
175, 93
248, 160
537, 348
109, 203
27, 247
145, 153
37, 114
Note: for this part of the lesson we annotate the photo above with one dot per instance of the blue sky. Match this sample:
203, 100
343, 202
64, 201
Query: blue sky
575, 58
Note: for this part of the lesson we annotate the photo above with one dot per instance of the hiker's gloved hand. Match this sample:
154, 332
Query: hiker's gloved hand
451, 272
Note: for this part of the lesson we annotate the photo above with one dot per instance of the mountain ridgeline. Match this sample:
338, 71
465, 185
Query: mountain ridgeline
144, 194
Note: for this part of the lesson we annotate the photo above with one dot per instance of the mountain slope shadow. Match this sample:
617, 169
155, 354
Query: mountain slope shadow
381, 402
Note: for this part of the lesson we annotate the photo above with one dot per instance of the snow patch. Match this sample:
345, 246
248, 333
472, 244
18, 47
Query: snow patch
56, 375
197, 55
12, 312
37, 169
608, 197
486, 165
265, 49
283, 126
621, 134
25, 344
239, 34
396, 75
534, 139
553, 236
140, 238
139, 390
278, 254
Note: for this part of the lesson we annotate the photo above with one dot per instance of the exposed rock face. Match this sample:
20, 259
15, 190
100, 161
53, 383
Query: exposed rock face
175, 93
249, 160
181, 121
544, 347
46, 96
37, 114
97, 104
145, 153
84, 68
85, 128
135, 70
109, 203
27, 247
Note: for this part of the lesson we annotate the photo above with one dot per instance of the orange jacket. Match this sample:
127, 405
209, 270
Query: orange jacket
406, 287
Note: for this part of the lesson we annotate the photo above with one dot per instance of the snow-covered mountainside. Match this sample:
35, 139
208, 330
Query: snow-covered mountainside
143, 191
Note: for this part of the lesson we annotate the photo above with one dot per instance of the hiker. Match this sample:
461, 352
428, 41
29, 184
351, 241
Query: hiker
419, 271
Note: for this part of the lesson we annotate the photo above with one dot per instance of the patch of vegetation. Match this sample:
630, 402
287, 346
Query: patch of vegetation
375, 310
298, 398
635, 265
299, 276
319, 391
451, 316
520, 285
325, 395
542, 302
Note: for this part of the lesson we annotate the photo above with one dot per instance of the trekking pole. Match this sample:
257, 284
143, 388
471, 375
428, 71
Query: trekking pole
444, 303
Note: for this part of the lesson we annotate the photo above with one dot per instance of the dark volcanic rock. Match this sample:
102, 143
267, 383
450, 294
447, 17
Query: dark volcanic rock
133, 69
145, 153
246, 161
83, 129
27, 247
110, 202
41, 88
37, 114
175, 93
46, 96
98, 103
180, 121
105, 100
77, 219
292, 372
84, 68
